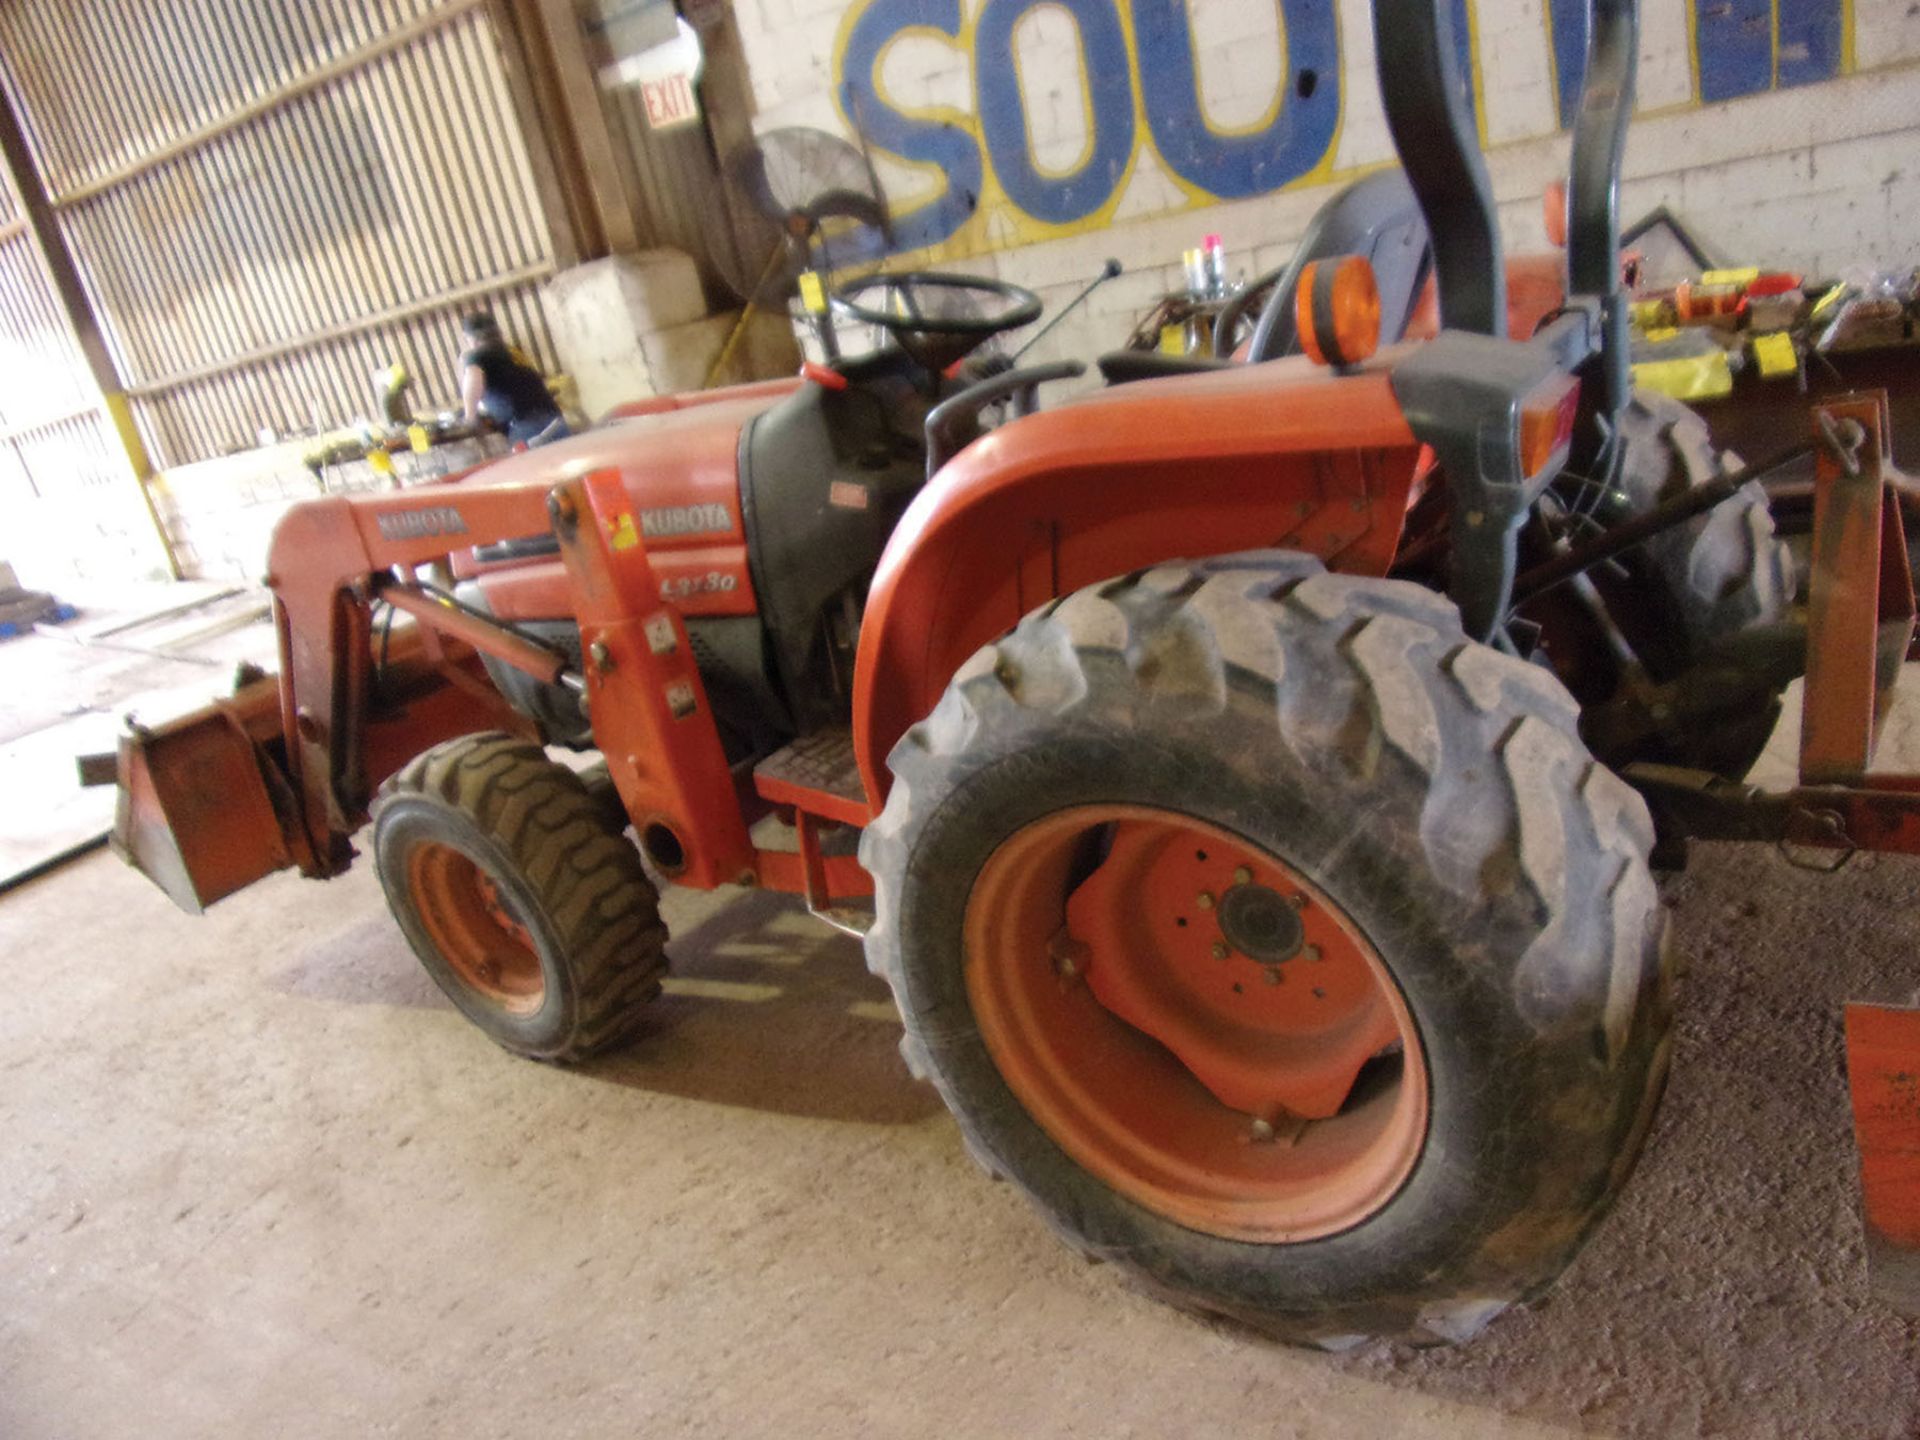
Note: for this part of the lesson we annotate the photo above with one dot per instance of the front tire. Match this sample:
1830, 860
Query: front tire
515, 887
1392, 1120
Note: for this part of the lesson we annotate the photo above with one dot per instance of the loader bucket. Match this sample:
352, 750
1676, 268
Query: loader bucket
195, 813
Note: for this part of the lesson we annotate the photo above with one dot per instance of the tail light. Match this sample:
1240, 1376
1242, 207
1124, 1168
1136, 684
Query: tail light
1546, 423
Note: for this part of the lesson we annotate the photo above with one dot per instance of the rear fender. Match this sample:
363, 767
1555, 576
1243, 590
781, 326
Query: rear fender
1276, 455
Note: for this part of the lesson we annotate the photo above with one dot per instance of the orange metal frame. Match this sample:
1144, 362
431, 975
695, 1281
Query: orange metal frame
330, 562
650, 712
1860, 628
1860, 608
1883, 1069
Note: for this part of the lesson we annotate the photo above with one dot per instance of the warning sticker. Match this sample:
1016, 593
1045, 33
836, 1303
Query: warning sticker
847, 495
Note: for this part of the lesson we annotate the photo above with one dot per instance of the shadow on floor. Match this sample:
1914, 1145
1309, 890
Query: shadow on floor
768, 1009
365, 963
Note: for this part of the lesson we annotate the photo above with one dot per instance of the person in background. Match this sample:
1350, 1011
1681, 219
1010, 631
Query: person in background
498, 382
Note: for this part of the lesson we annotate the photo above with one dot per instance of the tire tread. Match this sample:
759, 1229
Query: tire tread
587, 878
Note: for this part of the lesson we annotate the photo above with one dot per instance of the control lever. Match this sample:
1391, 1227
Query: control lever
1107, 272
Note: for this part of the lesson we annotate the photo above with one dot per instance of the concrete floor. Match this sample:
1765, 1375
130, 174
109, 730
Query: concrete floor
260, 1180
154, 649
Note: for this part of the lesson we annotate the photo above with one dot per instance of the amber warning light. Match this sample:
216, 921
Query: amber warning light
1546, 423
1336, 311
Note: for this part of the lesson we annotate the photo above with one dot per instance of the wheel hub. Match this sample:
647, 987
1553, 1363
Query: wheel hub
475, 929
1191, 942
1195, 1023
1262, 924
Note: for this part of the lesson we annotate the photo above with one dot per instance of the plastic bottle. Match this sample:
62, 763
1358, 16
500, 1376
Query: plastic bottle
1195, 262
1216, 266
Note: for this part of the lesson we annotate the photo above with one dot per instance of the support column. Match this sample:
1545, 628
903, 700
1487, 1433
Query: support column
577, 131
56, 261
573, 221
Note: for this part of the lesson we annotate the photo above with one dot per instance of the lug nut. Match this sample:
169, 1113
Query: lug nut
1241, 875
601, 656
1272, 975
1205, 900
1312, 952
1262, 1129
1298, 900
1070, 955
1220, 951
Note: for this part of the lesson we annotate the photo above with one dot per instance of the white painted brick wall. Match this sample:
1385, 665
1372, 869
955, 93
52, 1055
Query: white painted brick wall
1823, 177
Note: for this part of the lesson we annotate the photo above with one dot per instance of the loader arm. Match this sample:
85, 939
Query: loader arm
283, 773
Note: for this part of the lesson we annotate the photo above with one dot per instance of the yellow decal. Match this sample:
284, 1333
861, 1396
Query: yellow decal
418, 438
625, 534
812, 294
381, 462
1745, 275
1776, 354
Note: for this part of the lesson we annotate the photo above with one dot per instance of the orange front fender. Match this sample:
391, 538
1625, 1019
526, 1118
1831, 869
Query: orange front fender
1281, 454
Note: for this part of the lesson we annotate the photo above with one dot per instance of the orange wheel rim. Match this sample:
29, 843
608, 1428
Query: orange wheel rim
1195, 1023
475, 929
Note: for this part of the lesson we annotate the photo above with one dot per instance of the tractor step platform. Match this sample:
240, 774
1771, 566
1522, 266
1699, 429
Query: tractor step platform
817, 773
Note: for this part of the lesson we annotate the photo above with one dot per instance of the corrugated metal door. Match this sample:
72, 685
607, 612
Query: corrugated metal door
269, 203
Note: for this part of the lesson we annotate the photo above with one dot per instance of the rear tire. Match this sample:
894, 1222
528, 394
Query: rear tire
1722, 572
1431, 791
515, 887
1700, 600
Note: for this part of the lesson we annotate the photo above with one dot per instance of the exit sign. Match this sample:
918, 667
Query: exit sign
669, 101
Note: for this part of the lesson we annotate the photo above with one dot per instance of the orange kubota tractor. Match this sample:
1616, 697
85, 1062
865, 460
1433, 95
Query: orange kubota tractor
1245, 780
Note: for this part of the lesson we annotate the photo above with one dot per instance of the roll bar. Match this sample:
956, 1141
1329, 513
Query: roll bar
1433, 130
1593, 195
1431, 120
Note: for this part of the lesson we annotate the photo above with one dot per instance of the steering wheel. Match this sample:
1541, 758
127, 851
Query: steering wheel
937, 318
